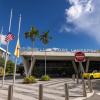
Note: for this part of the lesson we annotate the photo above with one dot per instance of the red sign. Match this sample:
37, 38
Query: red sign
79, 57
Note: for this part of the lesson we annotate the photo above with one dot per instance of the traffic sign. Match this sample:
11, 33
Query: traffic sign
79, 56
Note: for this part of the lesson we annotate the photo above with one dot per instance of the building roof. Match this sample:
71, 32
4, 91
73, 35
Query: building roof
59, 54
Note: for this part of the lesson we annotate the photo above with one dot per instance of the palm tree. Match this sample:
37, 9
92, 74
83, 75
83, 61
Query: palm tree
45, 40
32, 35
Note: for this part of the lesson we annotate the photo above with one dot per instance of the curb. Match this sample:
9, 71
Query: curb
82, 98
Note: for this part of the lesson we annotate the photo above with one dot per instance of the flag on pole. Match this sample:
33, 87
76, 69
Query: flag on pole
17, 52
3, 78
9, 37
3, 39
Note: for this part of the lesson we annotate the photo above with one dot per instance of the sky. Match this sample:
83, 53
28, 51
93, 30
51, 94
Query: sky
73, 24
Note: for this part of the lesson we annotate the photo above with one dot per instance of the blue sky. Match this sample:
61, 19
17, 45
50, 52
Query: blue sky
50, 15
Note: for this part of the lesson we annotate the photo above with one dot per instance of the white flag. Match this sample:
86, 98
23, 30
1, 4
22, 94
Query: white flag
2, 39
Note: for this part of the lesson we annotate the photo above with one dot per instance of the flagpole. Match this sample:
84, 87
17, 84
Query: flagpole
1, 34
14, 71
2, 30
17, 49
7, 50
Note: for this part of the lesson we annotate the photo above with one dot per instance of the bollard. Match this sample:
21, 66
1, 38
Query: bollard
84, 87
66, 92
73, 77
77, 79
90, 84
40, 92
10, 92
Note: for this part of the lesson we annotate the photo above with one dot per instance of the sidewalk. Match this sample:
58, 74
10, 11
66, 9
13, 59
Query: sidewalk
93, 97
52, 90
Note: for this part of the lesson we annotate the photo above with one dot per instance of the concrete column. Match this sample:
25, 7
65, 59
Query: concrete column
87, 66
40, 92
66, 92
83, 81
84, 87
76, 71
75, 67
25, 66
81, 67
10, 92
90, 84
31, 66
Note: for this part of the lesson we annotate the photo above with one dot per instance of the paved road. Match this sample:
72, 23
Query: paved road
94, 97
96, 87
53, 90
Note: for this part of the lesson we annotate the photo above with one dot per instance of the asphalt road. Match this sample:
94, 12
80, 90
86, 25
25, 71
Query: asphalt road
96, 88
95, 83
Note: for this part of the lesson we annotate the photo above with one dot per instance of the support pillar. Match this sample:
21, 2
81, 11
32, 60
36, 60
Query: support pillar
25, 66
87, 66
81, 67
75, 67
31, 67
83, 81
76, 71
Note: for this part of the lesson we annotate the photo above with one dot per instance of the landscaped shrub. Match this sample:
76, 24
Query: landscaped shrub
29, 79
45, 78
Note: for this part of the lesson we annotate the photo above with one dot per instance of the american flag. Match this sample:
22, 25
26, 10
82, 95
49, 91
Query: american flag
9, 37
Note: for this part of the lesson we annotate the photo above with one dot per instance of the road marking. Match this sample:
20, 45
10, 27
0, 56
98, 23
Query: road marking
82, 98
98, 93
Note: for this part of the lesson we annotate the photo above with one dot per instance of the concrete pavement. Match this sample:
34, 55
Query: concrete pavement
94, 97
96, 87
53, 90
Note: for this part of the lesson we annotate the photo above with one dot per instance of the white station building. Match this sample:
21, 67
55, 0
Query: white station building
3, 52
55, 58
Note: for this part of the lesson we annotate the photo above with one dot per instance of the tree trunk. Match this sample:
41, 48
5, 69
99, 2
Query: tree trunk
45, 63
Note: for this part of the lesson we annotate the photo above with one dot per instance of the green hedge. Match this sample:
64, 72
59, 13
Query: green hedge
29, 79
45, 78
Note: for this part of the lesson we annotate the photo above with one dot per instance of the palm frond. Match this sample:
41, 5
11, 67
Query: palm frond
45, 37
32, 34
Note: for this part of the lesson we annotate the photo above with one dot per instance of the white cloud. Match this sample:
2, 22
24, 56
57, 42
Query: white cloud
78, 8
85, 15
74, 12
65, 28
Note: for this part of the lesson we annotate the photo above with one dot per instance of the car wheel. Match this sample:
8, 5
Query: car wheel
91, 77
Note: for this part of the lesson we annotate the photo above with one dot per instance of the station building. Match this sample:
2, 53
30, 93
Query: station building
3, 55
59, 62
3, 52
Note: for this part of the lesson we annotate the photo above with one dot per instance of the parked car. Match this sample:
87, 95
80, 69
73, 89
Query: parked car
94, 75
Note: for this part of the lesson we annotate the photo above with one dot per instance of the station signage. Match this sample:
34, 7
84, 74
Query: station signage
79, 56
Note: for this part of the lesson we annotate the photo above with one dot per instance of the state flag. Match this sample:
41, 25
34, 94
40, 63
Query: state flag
17, 51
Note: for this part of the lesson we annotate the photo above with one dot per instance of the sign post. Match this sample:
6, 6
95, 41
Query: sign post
80, 57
